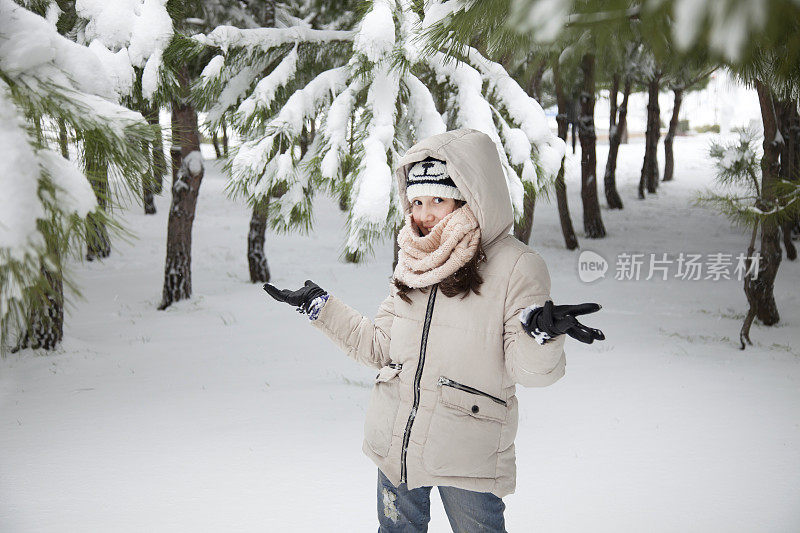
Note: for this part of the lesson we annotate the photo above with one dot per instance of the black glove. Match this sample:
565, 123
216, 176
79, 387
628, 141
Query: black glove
558, 319
301, 298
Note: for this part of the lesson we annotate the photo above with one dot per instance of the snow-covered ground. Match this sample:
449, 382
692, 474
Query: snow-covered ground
228, 412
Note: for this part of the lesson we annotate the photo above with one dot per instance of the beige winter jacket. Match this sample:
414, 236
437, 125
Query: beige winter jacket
443, 409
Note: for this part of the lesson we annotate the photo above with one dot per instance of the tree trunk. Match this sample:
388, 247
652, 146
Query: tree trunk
649, 177
256, 257
63, 141
760, 291
612, 103
592, 221
567, 230
98, 244
187, 175
610, 178
669, 160
522, 229
46, 328
224, 138
215, 143
789, 126
159, 162
148, 185
535, 82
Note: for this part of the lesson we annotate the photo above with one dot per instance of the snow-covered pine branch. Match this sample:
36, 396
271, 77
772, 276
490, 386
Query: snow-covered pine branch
385, 98
47, 79
228, 37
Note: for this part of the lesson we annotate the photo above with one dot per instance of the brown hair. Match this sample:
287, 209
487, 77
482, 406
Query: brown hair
465, 279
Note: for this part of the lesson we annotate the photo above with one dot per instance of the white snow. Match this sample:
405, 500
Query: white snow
32, 52
422, 110
264, 92
110, 22
193, 162
235, 88
117, 65
375, 38
229, 412
150, 77
73, 193
213, 68
152, 31
375, 176
136, 30
20, 206
226, 37
303, 103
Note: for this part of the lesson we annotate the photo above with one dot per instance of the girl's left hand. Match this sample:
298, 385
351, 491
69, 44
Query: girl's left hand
559, 319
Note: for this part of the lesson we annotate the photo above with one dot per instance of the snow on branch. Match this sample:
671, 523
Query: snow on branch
263, 95
304, 103
227, 37
335, 128
422, 111
376, 36
524, 110
475, 112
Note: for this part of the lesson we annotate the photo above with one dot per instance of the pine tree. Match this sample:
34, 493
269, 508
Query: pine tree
129, 39
52, 89
368, 95
752, 201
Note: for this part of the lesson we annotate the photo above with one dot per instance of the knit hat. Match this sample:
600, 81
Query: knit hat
429, 177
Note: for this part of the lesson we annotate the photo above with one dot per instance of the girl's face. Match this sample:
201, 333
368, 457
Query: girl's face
427, 211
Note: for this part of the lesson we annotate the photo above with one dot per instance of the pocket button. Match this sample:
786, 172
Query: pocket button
475, 409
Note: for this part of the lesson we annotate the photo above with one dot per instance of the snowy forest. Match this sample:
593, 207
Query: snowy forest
162, 159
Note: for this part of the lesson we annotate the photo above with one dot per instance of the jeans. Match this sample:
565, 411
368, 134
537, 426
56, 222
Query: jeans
408, 511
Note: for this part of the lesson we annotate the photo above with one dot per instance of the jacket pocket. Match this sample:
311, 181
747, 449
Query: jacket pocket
382, 409
464, 435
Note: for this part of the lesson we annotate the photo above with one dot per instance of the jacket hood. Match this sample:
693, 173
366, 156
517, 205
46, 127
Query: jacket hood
474, 165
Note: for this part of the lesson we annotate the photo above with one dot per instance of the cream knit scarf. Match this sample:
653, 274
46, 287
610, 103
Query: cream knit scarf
425, 260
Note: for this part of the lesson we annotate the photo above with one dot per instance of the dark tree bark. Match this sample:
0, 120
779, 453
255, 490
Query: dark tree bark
224, 138
159, 162
619, 124
592, 220
46, 328
98, 244
760, 291
63, 142
669, 159
535, 82
523, 228
649, 177
256, 236
567, 230
612, 102
148, 185
149, 176
789, 126
215, 143
256, 258
187, 175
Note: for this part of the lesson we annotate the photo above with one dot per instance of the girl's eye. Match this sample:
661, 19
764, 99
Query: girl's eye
438, 200
417, 202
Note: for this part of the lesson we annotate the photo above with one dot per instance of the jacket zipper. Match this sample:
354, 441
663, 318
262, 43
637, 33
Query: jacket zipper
417, 378
450, 383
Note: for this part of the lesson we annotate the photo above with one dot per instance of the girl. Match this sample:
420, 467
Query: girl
467, 318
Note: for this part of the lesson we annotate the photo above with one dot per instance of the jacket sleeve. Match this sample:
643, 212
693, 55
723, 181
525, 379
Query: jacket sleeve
361, 339
527, 362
